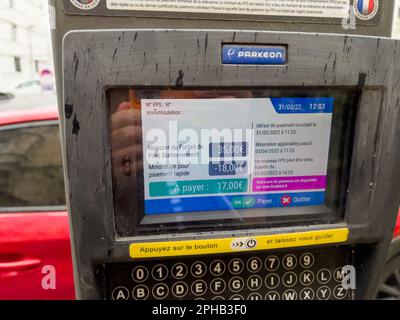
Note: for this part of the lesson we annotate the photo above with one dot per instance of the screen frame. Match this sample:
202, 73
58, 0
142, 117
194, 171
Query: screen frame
198, 221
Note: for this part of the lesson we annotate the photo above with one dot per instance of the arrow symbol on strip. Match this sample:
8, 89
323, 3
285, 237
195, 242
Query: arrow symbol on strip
238, 244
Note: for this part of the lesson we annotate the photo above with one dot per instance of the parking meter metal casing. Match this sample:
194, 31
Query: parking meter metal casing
86, 47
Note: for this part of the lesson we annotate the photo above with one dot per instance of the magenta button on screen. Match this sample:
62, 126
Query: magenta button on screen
289, 183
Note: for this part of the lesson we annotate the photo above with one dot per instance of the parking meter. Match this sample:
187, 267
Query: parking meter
207, 157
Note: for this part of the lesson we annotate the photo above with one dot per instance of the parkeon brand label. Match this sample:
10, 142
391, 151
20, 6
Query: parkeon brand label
294, 8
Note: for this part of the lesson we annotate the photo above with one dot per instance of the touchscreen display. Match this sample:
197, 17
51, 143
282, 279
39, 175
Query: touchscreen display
221, 150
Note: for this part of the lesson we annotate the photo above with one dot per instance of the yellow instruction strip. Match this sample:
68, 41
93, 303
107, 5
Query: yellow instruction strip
226, 245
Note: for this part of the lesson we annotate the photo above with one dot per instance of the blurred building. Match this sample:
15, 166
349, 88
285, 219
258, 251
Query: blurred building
396, 21
25, 45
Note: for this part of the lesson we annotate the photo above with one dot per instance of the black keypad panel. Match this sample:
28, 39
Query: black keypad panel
292, 275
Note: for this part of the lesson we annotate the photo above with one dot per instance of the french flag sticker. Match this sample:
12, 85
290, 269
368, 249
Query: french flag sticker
366, 9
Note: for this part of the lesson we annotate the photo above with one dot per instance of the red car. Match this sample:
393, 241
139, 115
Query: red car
35, 254
389, 288
35, 257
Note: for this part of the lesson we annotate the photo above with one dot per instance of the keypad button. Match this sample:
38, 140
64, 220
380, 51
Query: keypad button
236, 297
198, 269
140, 274
199, 287
140, 292
180, 289
217, 268
254, 296
339, 274
179, 271
120, 293
254, 264
236, 284
236, 266
272, 263
160, 291
289, 262
218, 298
217, 286
289, 279
307, 277
272, 281
254, 282
159, 272
289, 295
307, 260
323, 293
340, 292
272, 295
323, 276
307, 294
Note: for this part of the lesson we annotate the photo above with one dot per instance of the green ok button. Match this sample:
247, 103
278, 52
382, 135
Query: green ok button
243, 202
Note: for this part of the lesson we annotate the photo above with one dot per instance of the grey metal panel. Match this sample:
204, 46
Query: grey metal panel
95, 60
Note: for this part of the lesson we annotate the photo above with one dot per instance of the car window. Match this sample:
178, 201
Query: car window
31, 173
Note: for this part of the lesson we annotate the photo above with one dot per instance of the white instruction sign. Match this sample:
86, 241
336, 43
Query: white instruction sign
294, 8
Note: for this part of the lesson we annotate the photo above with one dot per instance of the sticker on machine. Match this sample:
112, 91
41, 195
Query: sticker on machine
366, 9
85, 4
227, 245
306, 8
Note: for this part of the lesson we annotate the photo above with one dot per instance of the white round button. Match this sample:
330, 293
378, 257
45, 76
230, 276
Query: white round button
307, 260
236, 284
217, 286
272, 295
140, 274
254, 282
289, 279
180, 289
323, 276
120, 293
199, 287
323, 293
236, 266
179, 271
198, 269
289, 262
289, 295
307, 294
272, 263
254, 264
160, 291
307, 278
272, 281
340, 292
159, 272
254, 296
217, 268
140, 292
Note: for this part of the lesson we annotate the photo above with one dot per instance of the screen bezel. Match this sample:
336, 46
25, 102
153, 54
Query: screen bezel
143, 224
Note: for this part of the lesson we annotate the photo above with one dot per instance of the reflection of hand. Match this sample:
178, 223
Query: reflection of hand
126, 140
